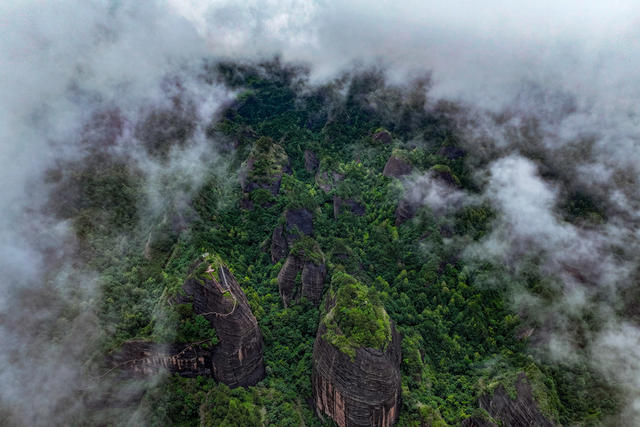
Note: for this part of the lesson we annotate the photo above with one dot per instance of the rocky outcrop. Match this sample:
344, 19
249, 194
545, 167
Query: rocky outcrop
405, 211
353, 206
396, 167
300, 276
364, 391
383, 136
311, 161
264, 167
502, 409
356, 380
235, 360
279, 246
148, 358
297, 223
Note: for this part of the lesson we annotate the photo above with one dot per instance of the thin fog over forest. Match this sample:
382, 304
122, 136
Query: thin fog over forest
307, 212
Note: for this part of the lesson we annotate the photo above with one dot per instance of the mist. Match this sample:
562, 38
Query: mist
552, 106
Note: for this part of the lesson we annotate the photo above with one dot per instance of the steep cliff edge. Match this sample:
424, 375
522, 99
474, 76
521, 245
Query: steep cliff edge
235, 359
356, 358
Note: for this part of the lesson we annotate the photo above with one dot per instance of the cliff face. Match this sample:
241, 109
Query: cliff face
264, 167
356, 378
364, 391
311, 283
298, 222
523, 411
235, 360
148, 358
396, 168
405, 211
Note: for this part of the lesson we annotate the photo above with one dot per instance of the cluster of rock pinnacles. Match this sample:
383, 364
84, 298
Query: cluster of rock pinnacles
360, 390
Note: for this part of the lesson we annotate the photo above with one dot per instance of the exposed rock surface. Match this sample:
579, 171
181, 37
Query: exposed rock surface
354, 207
521, 412
264, 167
147, 358
382, 136
311, 283
298, 222
396, 167
311, 161
235, 360
405, 211
364, 391
356, 380
279, 246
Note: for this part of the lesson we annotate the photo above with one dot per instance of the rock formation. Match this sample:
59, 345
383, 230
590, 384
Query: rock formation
297, 223
354, 207
405, 211
383, 136
501, 409
356, 384
311, 161
303, 273
264, 167
235, 360
396, 167
147, 358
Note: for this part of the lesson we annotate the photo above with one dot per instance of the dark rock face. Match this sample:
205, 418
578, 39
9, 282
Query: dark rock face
237, 358
396, 168
405, 211
313, 278
362, 392
297, 222
279, 246
311, 161
382, 136
354, 207
477, 422
287, 279
521, 412
148, 358
311, 284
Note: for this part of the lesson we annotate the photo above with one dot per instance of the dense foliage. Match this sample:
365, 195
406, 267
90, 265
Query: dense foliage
454, 318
